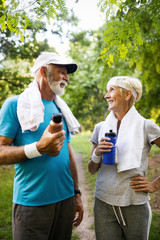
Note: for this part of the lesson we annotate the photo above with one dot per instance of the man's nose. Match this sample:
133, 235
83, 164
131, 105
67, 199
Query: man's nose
66, 77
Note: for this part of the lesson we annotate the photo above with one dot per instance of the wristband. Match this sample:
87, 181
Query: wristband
78, 191
31, 151
95, 158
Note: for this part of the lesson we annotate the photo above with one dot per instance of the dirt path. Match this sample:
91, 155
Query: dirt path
84, 231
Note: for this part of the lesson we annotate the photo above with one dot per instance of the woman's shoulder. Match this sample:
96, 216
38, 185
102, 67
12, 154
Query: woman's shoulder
99, 125
149, 123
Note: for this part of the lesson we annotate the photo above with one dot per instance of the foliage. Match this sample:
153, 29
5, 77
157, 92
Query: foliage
129, 43
132, 34
124, 29
13, 14
84, 93
16, 56
15, 74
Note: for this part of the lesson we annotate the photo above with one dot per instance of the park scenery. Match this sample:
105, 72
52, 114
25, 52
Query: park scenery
126, 43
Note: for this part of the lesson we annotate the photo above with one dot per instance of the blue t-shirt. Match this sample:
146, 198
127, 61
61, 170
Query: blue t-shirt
45, 179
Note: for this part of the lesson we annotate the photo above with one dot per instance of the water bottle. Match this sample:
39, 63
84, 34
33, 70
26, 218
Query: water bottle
56, 124
109, 157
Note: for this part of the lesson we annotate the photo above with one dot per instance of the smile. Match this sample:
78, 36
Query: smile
63, 85
110, 101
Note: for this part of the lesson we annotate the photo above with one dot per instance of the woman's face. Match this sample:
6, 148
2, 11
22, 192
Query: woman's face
116, 98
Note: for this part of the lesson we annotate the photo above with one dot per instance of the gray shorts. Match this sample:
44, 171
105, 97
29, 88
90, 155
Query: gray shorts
119, 223
49, 222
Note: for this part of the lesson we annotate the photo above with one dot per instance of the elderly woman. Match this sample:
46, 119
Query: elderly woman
121, 207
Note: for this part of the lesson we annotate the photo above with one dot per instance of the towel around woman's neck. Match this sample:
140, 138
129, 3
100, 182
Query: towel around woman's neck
130, 139
30, 110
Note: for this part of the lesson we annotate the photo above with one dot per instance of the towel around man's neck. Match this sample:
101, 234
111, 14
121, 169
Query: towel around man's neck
30, 110
130, 139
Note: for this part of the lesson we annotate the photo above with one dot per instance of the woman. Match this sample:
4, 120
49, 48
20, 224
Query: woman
121, 207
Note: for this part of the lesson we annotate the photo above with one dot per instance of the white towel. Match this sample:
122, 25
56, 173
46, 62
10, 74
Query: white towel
130, 139
30, 110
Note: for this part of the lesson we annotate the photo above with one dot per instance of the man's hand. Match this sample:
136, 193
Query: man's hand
141, 184
78, 210
51, 143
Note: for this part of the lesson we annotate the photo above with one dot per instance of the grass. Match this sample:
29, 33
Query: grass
82, 145
6, 191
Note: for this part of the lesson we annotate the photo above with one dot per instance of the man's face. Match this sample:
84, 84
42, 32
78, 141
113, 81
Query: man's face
57, 78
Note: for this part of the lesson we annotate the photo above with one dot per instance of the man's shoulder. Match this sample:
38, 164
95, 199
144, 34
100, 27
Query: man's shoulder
12, 99
10, 103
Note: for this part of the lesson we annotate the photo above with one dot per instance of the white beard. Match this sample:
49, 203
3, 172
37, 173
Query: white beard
56, 88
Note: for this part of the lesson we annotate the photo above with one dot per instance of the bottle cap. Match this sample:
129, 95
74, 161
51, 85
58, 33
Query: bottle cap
57, 117
110, 134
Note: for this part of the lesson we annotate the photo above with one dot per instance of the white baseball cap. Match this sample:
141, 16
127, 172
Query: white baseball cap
52, 58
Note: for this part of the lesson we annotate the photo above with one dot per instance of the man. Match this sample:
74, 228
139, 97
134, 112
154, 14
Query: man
46, 194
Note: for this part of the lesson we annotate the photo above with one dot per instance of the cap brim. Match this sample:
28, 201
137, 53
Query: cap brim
71, 68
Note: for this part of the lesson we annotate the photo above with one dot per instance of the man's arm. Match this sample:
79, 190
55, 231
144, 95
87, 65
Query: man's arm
10, 154
49, 143
78, 202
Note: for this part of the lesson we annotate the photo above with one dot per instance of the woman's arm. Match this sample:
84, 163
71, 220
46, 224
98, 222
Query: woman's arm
92, 166
97, 150
141, 184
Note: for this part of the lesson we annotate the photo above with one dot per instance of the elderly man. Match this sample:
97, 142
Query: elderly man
46, 196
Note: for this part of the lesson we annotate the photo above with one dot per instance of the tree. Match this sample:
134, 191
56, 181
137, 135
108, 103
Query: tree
88, 86
84, 93
124, 29
132, 33
17, 16
17, 52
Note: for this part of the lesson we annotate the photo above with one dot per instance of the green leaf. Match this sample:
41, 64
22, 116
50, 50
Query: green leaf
21, 36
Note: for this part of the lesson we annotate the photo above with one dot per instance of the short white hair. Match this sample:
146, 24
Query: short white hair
128, 83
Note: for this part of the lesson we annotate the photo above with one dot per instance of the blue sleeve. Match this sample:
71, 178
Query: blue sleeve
69, 137
9, 123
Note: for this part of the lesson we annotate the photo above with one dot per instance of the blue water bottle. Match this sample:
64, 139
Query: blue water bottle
109, 157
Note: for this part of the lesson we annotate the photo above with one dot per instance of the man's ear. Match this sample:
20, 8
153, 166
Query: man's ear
43, 71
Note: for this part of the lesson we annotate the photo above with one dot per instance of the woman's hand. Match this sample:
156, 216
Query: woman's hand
141, 184
104, 145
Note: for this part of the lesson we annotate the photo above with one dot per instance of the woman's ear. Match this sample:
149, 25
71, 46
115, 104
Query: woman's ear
128, 95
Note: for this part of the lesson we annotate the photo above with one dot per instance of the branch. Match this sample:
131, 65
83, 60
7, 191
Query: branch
25, 7
143, 9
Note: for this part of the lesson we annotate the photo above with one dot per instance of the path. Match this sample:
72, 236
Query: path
83, 230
